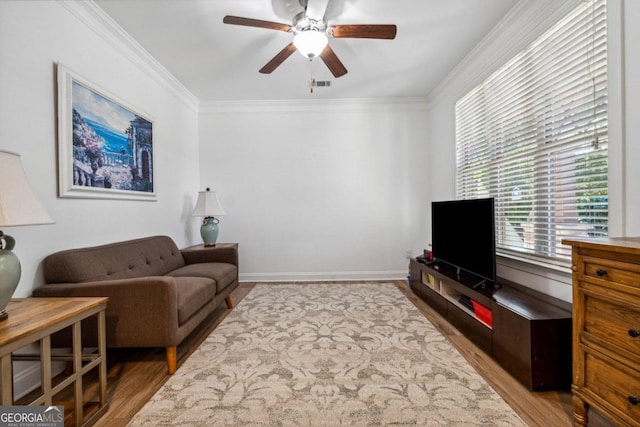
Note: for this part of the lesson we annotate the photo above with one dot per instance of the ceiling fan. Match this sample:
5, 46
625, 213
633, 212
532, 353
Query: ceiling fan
311, 34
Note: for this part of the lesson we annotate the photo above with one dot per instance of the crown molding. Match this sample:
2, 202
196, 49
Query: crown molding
90, 14
517, 29
314, 105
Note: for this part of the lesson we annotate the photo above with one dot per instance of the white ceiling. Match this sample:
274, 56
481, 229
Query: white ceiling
218, 62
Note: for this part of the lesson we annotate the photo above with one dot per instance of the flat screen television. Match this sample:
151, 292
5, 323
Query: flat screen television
463, 234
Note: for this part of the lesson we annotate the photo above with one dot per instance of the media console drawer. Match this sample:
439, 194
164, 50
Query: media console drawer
537, 352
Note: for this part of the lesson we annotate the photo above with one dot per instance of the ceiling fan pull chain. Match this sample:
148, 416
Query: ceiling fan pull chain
312, 79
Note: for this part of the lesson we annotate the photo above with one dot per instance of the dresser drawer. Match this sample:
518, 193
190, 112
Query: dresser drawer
619, 326
614, 385
612, 271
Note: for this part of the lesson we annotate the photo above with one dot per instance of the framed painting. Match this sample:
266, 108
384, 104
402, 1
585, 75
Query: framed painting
105, 146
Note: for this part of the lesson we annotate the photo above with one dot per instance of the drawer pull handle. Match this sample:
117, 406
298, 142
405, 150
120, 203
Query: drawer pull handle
633, 400
634, 333
601, 272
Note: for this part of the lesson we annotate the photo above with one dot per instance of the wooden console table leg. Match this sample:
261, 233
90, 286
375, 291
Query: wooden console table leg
77, 368
102, 353
580, 412
6, 375
45, 366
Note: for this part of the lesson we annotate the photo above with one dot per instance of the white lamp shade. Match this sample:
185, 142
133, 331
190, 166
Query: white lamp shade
18, 204
208, 204
310, 43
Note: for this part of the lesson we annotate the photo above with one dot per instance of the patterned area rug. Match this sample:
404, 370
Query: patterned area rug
326, 355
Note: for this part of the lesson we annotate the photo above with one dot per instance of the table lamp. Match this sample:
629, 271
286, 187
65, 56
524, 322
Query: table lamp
208, 206
18, 206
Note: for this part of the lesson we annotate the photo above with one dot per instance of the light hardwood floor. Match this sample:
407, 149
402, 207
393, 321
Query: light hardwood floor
135, 375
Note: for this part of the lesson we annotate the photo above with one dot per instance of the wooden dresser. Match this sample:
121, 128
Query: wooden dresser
606, 329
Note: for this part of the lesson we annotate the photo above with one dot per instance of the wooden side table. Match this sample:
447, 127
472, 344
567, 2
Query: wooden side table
201, 246
34, 320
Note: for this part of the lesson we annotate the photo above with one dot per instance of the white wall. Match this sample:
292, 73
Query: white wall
319, 190
34, 35
521, 26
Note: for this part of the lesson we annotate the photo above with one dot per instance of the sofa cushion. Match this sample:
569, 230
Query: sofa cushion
224, 274
151, 256
193, 294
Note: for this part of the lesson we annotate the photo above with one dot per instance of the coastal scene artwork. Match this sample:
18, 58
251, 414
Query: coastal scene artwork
105, 146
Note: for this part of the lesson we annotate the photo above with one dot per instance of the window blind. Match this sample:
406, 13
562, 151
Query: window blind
534, 136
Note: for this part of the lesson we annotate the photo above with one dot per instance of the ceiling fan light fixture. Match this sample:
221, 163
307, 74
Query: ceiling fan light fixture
310, 43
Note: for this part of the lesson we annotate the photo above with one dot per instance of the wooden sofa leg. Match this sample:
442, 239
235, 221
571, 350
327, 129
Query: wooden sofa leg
172, 359
229, 301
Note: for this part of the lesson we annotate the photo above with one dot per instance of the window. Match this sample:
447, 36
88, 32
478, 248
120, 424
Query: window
534, 136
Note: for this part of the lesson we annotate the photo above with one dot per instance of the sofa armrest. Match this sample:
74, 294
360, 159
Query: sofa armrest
140, 312
227, 253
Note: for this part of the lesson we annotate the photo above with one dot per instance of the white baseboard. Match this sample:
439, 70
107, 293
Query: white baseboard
323, 276
25, 380
27, 375
28, 379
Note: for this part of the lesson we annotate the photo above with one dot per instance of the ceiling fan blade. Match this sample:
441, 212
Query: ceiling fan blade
316, 9
278, 59
249, 22
363, 31
332, 62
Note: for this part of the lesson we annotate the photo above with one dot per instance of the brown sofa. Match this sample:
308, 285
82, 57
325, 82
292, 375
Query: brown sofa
158, 293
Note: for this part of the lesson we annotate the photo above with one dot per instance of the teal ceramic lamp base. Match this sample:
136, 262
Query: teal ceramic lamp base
10, 271
209, 230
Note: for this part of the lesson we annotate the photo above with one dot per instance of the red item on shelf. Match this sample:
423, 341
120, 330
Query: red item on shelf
482, 313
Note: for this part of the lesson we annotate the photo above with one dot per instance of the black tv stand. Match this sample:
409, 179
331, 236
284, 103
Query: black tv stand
528, 333
484, 284
481, 284
425, 261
